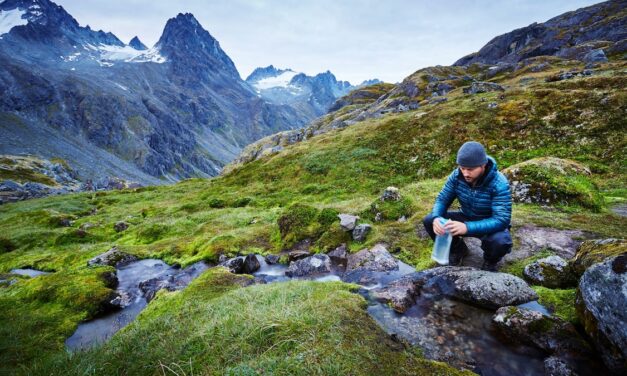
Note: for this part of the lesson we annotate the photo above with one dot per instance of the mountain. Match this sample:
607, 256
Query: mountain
311, 96
570, 35
176, 110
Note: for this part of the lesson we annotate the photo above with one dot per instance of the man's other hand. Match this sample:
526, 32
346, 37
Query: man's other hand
437, 227
455, 228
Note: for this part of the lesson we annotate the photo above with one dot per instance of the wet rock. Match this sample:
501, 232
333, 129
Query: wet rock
533, 239
601, 301
548, 333
348, 221
400, 294
391, 194
360, 232
376, 259
555, 366
120, 226
171, 282
485, 289
251, 264
591, 252
110, 279
235, 265
113, 257
222, 258
315, 264
272, 259
483, 87
297, 255
552, 271
339, 255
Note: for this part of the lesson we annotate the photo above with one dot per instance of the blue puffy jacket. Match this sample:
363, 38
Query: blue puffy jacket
488, 204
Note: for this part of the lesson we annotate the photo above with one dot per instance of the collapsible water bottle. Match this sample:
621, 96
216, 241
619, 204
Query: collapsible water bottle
442, 245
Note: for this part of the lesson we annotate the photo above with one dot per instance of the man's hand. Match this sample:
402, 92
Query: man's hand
438, 228
455, 228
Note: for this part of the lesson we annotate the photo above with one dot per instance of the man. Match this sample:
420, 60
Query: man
486, 202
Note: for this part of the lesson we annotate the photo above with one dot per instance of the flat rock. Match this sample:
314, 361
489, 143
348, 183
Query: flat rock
485, 289
400, 294
113, 257
533, 239
315, 264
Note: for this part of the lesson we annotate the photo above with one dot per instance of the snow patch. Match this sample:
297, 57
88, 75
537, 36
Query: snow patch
129, 54
10, 19
281, 80
71, 57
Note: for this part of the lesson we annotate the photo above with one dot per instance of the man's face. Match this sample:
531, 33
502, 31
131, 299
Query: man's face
471, 174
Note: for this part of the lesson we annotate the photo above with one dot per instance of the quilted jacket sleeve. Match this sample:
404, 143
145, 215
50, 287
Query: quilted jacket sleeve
501, 211
445, 197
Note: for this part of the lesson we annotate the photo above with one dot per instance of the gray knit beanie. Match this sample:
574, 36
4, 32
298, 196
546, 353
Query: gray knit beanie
471, 154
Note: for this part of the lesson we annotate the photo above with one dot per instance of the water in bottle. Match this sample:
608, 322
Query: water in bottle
442, 245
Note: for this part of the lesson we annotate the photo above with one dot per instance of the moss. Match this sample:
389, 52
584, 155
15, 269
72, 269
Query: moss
560, 302
591, 252
389, 210
151, 233
517, 267
298, 222
241, 202
333, 238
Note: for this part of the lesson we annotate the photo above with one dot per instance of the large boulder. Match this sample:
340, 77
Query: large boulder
113, 257
485, 289
602, 308
591, 252
552, 271
315, 264
483, 87
376, 259
551, 181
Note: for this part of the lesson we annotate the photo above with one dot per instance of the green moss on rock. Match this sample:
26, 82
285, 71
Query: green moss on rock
591, 252
552, 181
389, 210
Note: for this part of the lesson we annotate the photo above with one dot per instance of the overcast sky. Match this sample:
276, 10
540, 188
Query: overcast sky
356, 40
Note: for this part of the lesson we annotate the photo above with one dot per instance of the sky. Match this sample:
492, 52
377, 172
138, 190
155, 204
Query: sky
356, 40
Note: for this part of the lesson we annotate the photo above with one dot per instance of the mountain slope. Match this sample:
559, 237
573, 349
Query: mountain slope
176, 110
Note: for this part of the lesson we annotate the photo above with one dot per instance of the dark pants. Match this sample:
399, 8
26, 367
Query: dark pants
495, 245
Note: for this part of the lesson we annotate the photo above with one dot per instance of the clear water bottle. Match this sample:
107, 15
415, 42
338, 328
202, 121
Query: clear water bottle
442, 245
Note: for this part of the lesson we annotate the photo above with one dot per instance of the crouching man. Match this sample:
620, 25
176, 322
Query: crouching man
486, 207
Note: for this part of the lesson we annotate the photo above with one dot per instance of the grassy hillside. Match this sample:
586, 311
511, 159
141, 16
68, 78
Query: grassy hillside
582, 119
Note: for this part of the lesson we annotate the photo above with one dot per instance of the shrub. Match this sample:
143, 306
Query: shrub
6, 245
216, 203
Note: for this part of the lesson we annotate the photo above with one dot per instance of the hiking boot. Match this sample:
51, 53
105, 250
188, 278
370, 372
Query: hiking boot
458, 253
489, 266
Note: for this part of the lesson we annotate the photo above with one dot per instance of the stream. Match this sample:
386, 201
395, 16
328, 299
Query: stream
445, 329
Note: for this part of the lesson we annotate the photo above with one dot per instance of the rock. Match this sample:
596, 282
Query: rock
297, 255
400, 294
550, 181
235, 265
533, 239
361, 232
548, 333
272, 259
552, 271
391, 194
348, 221
251, 264
222, 258
601, 306
171, 282
113, 257
110, 279
315, 264
65, 222
591, 252
339, 255
120, 226
485, 289
376, 259
482, 87
595, 56
492, 105
555, 366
